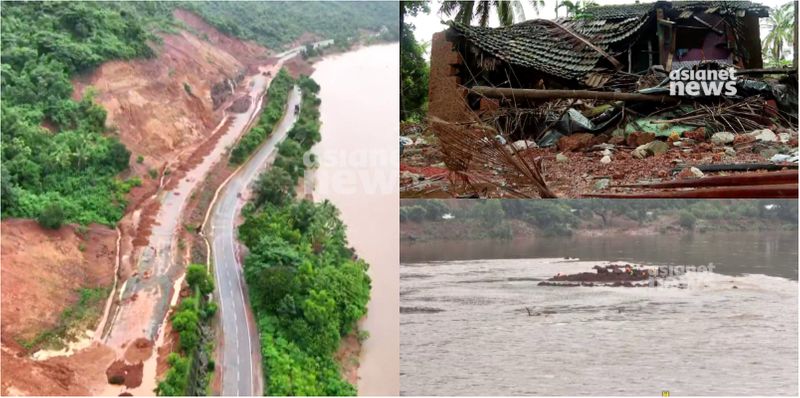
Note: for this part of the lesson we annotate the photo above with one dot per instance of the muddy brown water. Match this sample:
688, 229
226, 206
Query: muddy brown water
358, 158
465, 329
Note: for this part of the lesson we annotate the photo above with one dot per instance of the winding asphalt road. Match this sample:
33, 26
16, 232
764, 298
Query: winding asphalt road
240, 346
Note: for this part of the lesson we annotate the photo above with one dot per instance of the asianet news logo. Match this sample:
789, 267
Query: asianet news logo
694, 83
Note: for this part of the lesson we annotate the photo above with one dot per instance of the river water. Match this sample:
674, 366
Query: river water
465, 329
358, 158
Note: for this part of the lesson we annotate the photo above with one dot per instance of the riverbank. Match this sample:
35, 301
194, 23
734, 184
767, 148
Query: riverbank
357, 172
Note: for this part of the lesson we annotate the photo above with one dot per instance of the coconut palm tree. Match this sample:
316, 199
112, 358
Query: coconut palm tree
508, 11
575, 9
781, 32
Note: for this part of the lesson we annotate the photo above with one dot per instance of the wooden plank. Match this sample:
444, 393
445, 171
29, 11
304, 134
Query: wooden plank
529, 93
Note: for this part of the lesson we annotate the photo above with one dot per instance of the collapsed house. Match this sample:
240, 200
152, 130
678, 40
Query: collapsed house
604, 73
588, 52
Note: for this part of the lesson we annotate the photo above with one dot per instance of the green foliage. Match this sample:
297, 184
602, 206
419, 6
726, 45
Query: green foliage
176, 381
687, 220
781, 33
198, 278
307, 292
277, 94
562, 216
52, 216
276, 24
306, 288
76, 318
414, 69
73, 161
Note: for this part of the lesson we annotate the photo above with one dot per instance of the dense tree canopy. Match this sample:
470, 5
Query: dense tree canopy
276, 24
58, 152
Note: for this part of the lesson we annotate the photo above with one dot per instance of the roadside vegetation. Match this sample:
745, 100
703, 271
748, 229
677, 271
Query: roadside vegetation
191, 368
277, 95
306, 287
278, 24
495, 218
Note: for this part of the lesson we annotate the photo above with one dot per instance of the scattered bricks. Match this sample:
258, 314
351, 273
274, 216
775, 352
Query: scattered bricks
698, 134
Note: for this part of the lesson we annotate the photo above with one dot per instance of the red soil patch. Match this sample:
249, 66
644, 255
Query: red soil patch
43, 269
139, 351
126, 374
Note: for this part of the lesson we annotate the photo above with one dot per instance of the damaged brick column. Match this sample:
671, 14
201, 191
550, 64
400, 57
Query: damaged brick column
446, 98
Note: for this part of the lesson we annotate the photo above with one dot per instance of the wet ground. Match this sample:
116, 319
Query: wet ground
576, 169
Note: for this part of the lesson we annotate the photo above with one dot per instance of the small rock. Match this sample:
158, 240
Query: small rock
499, 138
696, 172
602, 184
784, 137
677, 143
765, 135
561, 158
651, 149
638, 138
575, 142
722, 138
606, 152
616, 140
730, 151
605, 160
522, 145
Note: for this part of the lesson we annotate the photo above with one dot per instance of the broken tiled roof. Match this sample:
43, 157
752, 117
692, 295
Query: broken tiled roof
543, 45
711, 7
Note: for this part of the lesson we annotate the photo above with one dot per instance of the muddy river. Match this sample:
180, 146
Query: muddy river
358, 158
465, 329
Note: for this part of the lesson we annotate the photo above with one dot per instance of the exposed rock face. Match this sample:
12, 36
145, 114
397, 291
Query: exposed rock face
223, 90
170, 103
241, 105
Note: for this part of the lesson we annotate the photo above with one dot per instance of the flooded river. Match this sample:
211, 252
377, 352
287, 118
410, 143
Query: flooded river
358, 173
465, 329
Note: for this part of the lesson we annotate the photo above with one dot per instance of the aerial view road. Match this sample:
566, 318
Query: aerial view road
240, 342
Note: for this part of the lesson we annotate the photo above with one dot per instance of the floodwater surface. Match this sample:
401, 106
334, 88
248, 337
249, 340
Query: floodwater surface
358, 158
485, 327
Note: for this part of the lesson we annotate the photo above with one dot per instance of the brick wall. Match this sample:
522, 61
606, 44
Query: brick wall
446, 99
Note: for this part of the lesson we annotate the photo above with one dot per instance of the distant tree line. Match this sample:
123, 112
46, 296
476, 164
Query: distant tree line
563, 216
276, 24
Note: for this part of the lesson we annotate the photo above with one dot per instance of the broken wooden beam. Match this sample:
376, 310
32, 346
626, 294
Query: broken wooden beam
715, 168
778, 177
779, 191
536, 94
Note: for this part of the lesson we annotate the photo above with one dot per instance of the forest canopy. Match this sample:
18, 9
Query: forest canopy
277, 24
57, 152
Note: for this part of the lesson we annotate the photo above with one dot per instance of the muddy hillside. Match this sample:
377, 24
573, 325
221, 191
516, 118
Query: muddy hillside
56, 282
